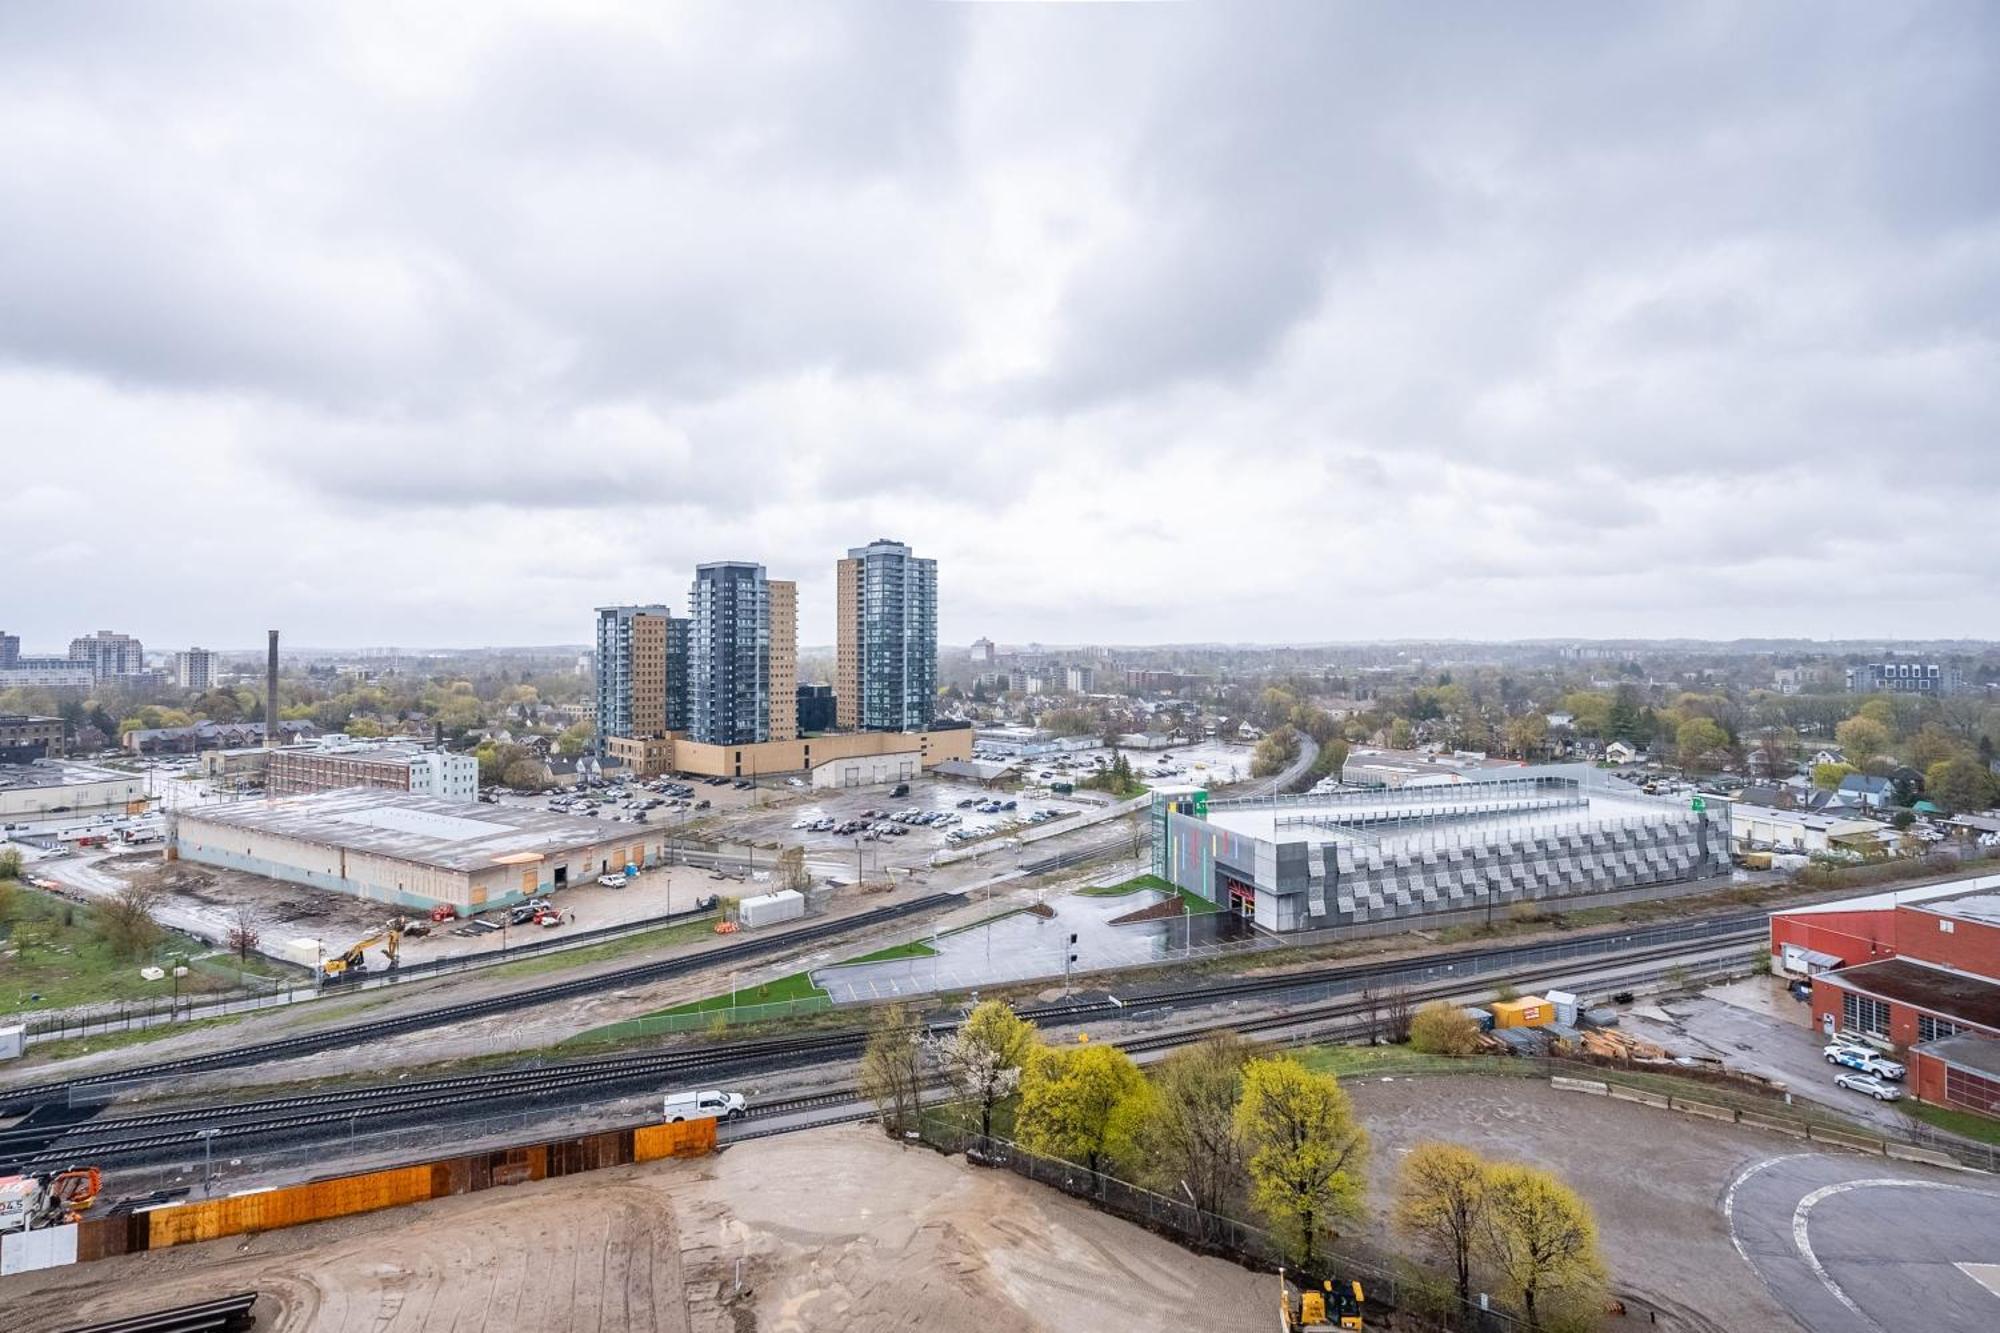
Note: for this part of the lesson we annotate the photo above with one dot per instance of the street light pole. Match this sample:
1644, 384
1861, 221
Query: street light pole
207, 1137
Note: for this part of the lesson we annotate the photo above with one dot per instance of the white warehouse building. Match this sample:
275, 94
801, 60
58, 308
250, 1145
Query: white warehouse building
411, 851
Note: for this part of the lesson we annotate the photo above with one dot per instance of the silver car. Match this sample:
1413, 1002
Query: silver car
1869, 1084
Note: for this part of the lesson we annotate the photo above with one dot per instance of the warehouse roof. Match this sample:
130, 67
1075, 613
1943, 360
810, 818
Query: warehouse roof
451, 835
1979, 1054
1937, 990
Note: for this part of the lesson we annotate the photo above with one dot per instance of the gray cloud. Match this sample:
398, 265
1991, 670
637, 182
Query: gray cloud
1452, 322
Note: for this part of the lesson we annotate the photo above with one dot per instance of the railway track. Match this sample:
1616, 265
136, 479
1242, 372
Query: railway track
284, 1048
327, 1114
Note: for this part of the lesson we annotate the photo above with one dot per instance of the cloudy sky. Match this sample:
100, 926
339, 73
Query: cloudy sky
1191, 322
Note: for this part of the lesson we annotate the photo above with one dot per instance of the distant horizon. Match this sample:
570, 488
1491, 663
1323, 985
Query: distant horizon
1848, 644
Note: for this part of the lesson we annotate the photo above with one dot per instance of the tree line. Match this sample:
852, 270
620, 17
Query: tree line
1239, 1130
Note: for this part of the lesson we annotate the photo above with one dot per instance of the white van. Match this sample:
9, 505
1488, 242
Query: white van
710, 1105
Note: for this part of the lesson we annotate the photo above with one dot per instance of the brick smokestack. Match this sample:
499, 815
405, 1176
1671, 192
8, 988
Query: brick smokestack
271, 693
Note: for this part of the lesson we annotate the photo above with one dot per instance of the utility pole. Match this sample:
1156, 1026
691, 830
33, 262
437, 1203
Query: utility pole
207, 1137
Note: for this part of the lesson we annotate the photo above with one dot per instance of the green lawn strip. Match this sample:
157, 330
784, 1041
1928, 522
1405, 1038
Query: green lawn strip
1965, 1124
111, 1041
911, 949
63, 960
1196, 904
663, 937
797, 986
1363, 1061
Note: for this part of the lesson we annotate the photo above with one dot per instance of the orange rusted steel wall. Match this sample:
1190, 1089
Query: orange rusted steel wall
268, 1210
342, 1196
689, 1138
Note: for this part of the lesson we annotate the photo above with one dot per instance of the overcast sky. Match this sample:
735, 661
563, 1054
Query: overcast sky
1150, 323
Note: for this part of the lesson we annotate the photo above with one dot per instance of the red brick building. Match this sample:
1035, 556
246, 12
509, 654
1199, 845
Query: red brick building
1917, 970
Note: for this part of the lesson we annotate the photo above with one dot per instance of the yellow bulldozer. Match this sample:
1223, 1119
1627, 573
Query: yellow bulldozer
1334, 1304
354, 958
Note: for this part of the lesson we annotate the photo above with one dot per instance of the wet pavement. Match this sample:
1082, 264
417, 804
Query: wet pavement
1024, 946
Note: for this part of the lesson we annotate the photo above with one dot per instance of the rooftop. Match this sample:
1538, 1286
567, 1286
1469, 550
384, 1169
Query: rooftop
1981, 907
1405, 817
1968, 1051
448, 834
1938, 990
57, 773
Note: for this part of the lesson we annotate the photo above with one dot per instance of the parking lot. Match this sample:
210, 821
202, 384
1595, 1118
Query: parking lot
1754, 1025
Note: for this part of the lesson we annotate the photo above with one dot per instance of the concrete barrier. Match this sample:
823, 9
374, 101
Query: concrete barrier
1930, 1157
1854, 1141
1772, 1123
1589, 1085
1625, 1094
1706, 1111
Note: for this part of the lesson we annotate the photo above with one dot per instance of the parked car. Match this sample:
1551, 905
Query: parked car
1862, 1060
710, 1104
1869, 1084
612, 881
902, 789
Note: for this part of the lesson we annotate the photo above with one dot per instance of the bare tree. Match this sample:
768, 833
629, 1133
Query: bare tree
1371, 1015
1400, 1014
792, 872
243, 933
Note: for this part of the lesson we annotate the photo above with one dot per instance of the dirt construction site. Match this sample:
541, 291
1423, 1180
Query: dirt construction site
833, 1229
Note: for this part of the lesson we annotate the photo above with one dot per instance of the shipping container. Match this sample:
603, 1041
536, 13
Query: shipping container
769, 908
1483, 1017
1530, 1011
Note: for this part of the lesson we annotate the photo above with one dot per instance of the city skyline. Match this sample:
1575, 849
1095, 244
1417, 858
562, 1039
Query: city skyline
1578, 324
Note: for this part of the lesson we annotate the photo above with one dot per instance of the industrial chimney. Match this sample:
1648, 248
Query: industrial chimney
271, 694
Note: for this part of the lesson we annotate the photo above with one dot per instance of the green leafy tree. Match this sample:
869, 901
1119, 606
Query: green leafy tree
575, 739
1701, 742
1070, 1103
1274, 752
1444, 1029
1305, 1150
1539, 1238
891, 1073
1828, 777
1441, 1203
1863, 738
1961, 784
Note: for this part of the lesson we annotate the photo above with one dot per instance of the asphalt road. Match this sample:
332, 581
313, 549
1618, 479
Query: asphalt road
1851, 1244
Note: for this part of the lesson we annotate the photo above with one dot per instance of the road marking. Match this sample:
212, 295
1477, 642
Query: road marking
1803, 1242
1729, 1201
1986, 1275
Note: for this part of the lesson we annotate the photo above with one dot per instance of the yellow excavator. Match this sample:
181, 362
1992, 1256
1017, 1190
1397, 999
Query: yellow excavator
354, 959
1333, 1304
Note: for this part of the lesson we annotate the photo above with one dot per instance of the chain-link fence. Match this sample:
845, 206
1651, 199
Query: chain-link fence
1388, 1281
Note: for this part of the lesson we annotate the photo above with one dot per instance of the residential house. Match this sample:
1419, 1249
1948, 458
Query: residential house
1863, 791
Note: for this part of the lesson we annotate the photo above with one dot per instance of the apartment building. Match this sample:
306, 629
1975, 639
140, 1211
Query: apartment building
885, 652
108, 653
24, 738
194, 669
743, 655
1932, 678
639, 693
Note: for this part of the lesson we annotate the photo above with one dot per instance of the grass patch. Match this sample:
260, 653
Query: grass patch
1980, 1128
663, 937
63, 959
913, 949
797, 986
111, 1041
1196, 904
1363, 1061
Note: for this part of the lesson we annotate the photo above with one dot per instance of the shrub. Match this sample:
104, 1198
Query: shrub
1444, 1029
